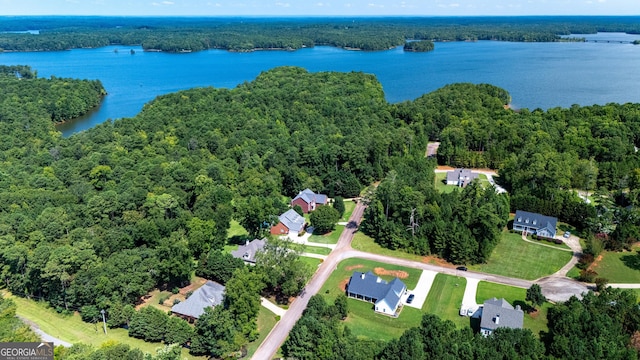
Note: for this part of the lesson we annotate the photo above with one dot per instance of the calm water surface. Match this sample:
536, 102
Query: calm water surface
538, 75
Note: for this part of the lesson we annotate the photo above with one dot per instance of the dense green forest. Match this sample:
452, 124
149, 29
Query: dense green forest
600, 326
246, 34
99, 219
419, 46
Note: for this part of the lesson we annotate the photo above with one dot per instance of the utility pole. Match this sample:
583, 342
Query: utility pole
413, 224
104, 322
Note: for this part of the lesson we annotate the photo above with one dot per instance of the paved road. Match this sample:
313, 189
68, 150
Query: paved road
555, 288
43, 335
279, 333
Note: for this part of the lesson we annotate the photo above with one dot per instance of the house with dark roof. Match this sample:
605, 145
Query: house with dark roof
371, 288
208, 295
533, 223
308, 200
291, 223
248, 251
499, 313
461, 177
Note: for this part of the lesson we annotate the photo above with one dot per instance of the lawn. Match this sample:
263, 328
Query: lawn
349, 206
619, 267
330, 238
312, 262
516, 258
365, 243
72, 329
315, 249
335, 284
445, 298
444, 188
536, 322
266, 321
364, 322
235, 229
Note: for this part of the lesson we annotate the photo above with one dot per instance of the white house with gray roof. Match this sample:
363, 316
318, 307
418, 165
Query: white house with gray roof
499, 313
371, 288
209, 294
533, 223
461, 177
248, 251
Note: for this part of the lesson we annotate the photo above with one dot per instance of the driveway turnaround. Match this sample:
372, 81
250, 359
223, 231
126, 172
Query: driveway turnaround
422, 289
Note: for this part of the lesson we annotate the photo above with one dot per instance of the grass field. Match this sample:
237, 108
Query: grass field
536, 322
516, 258
445, 298
312, 262
619, 267
365, 243
332, 287
72, 329
266, 321
330, 238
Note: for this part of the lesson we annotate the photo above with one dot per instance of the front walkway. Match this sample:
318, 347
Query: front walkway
422, 289
272, 307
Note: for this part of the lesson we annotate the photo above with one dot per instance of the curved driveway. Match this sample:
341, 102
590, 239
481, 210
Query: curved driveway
555, 288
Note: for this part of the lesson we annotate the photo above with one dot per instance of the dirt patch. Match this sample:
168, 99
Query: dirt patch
443, 167
595, 263
397, 273
534, 314
343, 284
353, 267
436, 261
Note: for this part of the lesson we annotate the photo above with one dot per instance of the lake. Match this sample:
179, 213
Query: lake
537, 75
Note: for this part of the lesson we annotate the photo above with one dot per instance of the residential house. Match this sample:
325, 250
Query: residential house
532, 223
291, 223
461, 177
371, 288
499, 313
308, 200
209, 294
248, 251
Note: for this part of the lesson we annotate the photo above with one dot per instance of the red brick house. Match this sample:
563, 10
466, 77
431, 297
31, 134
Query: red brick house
308, 200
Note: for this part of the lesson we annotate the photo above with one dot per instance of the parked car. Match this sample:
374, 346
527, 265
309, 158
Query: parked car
461, 268
410, 298
566, 234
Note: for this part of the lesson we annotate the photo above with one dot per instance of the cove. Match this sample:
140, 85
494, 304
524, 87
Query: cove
537, 75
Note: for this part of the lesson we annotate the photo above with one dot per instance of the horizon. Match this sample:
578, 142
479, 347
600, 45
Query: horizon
318, 8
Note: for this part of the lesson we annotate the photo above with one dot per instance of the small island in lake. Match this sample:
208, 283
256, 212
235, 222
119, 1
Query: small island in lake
419, 46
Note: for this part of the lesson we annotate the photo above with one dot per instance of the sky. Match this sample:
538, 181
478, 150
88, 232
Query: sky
319, 7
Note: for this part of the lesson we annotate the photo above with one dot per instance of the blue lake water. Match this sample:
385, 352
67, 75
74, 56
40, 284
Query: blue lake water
537, 75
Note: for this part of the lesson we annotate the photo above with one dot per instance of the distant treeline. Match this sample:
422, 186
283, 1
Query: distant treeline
247, 34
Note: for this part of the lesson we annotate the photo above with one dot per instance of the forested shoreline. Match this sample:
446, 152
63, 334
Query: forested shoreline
97, 220
248, 34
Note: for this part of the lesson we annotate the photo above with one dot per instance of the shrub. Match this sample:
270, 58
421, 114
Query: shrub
175, 290
162, 299
188, 294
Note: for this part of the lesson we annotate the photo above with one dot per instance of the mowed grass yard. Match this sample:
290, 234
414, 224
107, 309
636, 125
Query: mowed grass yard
349, 206
536, 321
330, 238
362, 320
445, 298
266, 321
365, 243
72, 329
514, 257
444, 188
619, 267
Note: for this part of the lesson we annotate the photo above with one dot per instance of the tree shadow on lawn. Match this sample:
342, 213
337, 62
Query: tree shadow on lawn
631, 261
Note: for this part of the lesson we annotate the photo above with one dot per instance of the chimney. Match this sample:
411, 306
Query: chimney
497, 319
246, 242
361, 275
518, 308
